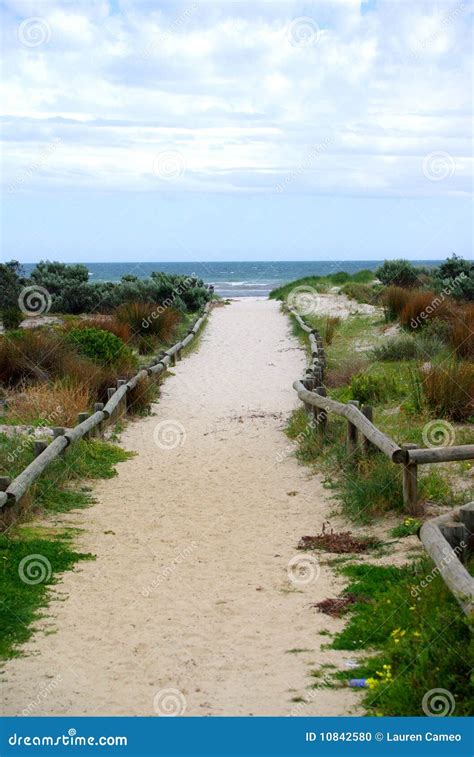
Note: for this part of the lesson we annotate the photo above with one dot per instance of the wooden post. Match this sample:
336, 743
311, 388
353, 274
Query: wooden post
5, 482
80, 419
456, 534
59, 431
40, 446
352, 434
308, 384
369, 414
99, 428
410, 484
320, 416
173, 359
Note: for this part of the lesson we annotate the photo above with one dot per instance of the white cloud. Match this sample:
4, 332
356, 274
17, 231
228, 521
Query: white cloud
241, 98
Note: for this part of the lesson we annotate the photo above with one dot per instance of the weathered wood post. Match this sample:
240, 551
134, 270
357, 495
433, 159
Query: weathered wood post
320, 415
457, 536
410, 483
173, 359
5, 482
110, 393
99, 430
80, 419
122, 409
369, 414
39, 447
59, 431
308, 384
352, 435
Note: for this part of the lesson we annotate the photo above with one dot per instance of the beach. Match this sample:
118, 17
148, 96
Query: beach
192, 590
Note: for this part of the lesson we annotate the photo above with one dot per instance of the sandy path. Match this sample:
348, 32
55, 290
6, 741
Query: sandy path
190, 588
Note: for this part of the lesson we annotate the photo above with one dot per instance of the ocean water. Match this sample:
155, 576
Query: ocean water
237, 279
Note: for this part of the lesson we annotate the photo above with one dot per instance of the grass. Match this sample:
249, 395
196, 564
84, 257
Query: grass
47, 552
44, 555
409, 625
322, 283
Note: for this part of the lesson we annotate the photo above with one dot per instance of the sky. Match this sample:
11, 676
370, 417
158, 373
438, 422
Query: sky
139, 130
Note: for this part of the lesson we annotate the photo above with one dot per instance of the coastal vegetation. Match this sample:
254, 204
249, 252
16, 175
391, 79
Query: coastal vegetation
411, 359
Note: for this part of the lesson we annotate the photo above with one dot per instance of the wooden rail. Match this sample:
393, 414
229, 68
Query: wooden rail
447, 539
12, 491
312, 392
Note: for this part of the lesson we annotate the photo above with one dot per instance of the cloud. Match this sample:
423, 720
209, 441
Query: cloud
245, 92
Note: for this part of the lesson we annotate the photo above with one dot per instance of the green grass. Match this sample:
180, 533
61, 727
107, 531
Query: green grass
409, 625
57, 490
322, 283
47, 555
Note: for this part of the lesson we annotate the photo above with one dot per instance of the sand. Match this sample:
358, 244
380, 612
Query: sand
190, 590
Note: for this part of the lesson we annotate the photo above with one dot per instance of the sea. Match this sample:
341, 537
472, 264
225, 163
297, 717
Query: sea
235, 279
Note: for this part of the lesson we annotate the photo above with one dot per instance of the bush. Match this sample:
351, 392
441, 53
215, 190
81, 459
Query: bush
330, 327
421, 307
448, 388
31, 354
11, 283
394, 300
140, 398
398, 273
342, 374
462, 332
457, 276
56, 404
372, 387
149, 321
68, 286
397, 348
363, 277
370, 486
103, 322
11, 318
98, 345
360, 292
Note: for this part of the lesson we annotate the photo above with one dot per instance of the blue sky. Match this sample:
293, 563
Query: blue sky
138, 130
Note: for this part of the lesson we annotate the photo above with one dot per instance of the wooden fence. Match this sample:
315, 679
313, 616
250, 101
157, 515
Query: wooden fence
441, 536
11, 492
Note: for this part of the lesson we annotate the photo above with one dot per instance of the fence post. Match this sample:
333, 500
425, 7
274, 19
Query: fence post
352, 432
123, 402
410, 483
40, 446
308, 384
369, 414
59, 431
80, 419
5, 482
320, 415
99, 428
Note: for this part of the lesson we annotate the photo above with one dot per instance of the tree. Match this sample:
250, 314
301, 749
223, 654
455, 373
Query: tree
399, 273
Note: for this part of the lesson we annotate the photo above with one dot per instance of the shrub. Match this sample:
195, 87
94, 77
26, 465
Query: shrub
363, 277
103, 322
330, 327
360, 292
140, 398
462, 332
32, 354
68, 286
448, 388
11, 318
339, 278
372, 387
56, 404
342, 374
11, 283
148, 320
370, 486
421, 307
98, 345
394, 300
397, 348
456, 275
397, 273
